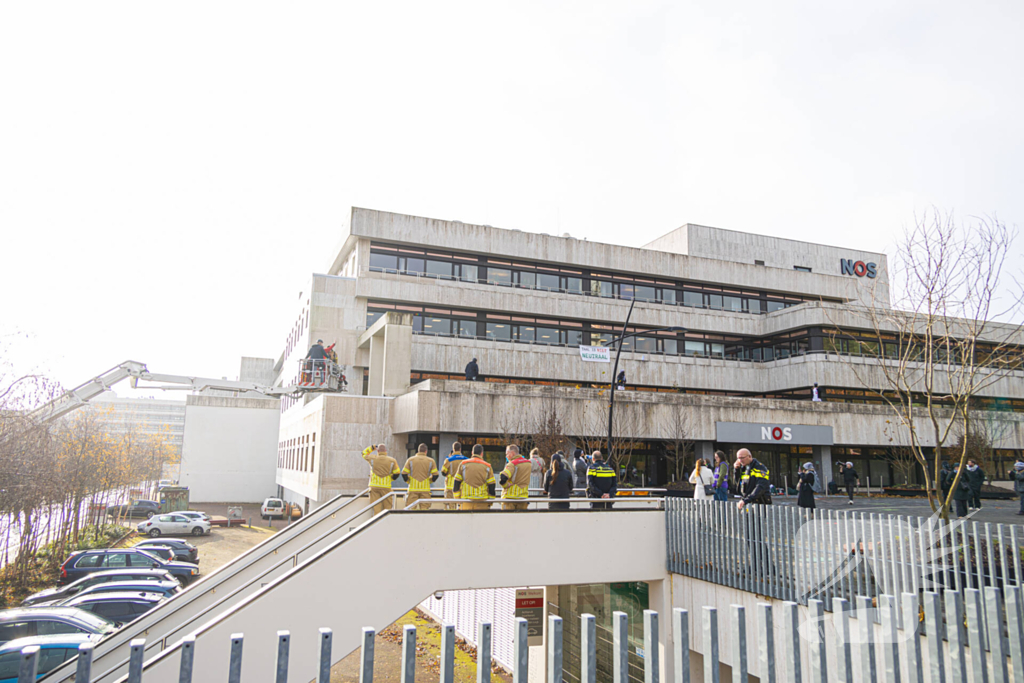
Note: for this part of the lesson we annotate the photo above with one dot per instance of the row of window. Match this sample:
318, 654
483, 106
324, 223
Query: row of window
297, 453
468, 268
554, 332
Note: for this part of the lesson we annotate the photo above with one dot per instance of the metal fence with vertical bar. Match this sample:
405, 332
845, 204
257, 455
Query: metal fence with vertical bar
858, 653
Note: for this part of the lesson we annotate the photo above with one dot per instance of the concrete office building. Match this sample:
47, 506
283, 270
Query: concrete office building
409, 301
149, 417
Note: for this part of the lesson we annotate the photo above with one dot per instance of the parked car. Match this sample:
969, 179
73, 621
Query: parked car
163, 552
272, 507
120, 607
25, 622
167, 589
53, 651
193, 514
56, 594
174, 524
85, 562
184, 551
136, 508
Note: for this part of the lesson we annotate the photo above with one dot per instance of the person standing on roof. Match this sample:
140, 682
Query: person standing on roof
814, 393
601, 482
449, 469
472, 371
475, 481
753, 480
514, 480
419, 471
383, 471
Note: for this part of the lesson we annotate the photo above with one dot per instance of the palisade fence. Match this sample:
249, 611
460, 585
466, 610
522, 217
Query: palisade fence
795, 554
856, 654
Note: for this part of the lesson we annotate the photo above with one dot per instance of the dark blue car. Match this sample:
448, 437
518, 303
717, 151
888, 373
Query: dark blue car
53, 651
85, 562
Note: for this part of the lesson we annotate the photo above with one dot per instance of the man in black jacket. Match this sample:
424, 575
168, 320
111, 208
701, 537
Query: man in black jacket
601, 483
975, 478
472, 371
316, 351
850, 478
753, 480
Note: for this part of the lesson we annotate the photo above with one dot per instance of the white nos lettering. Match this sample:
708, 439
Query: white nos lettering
776, 433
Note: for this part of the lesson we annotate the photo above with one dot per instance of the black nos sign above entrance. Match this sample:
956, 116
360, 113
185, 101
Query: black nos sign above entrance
769, 432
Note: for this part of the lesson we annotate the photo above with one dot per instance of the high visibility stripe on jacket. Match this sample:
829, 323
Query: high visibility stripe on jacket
419, 469
517, 475
474, 477
450, 468
383, 469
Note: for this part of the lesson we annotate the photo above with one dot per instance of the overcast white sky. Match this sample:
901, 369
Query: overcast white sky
170, 173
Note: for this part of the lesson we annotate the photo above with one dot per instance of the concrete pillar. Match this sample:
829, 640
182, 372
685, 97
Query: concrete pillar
659, 598
397, 364
705, 450
823, 463
354, 376
376, 386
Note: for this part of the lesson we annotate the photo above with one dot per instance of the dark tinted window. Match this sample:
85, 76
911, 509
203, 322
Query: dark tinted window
140, 560
115, 560
92, 560
644, 293
9, 664
693, 299
51, 658
142, 607
51, 627
414, 265
17, 629
115, 611
546, 281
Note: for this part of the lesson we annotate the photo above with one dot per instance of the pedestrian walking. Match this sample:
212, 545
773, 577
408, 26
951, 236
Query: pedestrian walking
701, 478
1018, 483
620, 380
472, 371
536, 469
558, 483
975, 478
721, 481
962, 492
850, 478
475, 481
601, 482
805, 487
449, 469
514, 480
579, 464
383, 471
420, 471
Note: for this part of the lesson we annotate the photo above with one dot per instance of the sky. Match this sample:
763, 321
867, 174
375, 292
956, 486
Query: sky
171, 173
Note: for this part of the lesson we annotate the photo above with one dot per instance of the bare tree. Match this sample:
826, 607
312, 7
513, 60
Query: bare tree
549, 435
900, 456
680, 442
941, 347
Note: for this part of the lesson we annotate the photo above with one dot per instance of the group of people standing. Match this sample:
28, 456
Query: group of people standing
471, 480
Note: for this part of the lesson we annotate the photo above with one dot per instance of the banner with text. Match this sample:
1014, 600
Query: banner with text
596, 354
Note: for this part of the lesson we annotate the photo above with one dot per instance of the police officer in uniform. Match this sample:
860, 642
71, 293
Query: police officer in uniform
601, 482
515, 480
753, 480
383, 471
419, 471
475, 481
449, 469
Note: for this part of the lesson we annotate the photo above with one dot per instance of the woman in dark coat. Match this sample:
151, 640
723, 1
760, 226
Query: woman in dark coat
805, 489
558, 483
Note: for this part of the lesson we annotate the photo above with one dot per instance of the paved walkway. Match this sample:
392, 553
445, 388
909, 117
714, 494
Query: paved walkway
998, 511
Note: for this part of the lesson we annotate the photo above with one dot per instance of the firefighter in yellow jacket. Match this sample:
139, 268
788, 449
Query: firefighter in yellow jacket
449, 469
515, 480
419, 471
383, 471
475, 481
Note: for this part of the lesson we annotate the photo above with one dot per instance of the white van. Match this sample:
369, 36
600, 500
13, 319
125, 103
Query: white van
272, 507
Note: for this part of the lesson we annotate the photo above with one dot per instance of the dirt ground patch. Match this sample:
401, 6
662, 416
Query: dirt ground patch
225, 544
387, 666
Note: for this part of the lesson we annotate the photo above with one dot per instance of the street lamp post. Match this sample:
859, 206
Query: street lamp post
615, 369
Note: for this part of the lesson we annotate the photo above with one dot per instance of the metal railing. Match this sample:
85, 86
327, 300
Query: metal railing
795, 554
858, 654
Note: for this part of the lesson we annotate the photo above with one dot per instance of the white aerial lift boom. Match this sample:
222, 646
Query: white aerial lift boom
314, 376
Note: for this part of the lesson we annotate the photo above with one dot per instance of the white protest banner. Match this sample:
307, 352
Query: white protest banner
596, 354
